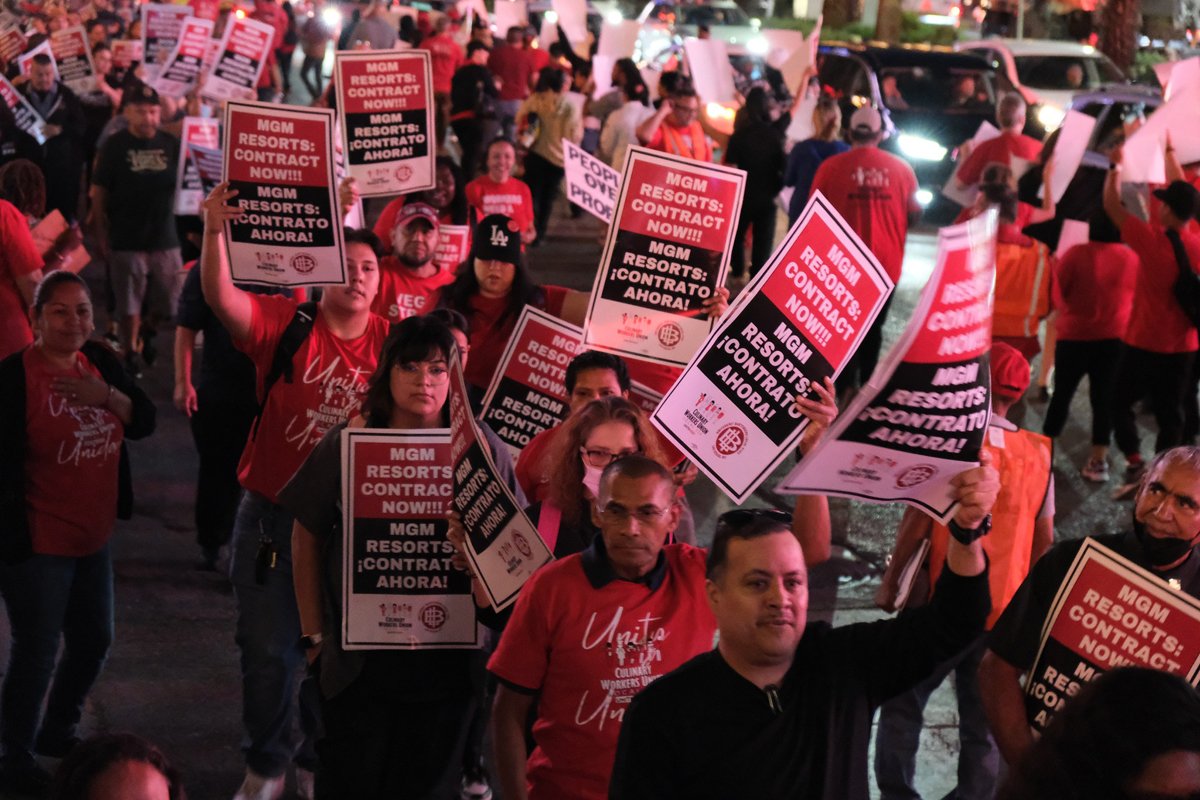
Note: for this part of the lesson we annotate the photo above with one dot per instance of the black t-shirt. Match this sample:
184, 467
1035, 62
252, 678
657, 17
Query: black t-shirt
139, 176
468, 86
704, 731
758, 149
1018, 633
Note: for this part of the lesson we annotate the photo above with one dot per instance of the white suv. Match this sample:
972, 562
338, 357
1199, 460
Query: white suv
1048, 73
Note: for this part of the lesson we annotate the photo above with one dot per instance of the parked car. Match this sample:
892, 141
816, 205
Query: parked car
932, 99
1047, 73
664, 24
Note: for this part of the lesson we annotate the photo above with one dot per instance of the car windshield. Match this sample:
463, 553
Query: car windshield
1067, 73
931, 89
713, 15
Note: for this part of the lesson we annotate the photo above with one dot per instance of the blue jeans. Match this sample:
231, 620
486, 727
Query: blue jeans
506, 111
268, 637
51, 598
899, 733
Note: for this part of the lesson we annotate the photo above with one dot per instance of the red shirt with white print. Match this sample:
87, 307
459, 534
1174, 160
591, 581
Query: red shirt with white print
329, 381
71, 463
403, 294
510, 198
589, 641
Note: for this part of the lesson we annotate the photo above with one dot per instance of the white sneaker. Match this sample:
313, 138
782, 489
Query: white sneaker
305, 784
259, 787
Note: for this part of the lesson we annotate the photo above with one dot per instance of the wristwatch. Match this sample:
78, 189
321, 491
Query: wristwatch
311, 640
968, 535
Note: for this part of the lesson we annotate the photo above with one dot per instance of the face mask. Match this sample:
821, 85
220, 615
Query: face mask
591, 479
1159, 551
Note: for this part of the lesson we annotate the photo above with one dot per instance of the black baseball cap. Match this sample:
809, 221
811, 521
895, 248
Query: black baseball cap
139, 94
1182, 198
497, 238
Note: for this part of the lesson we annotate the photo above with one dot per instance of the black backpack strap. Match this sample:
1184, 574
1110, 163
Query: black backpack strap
281, 363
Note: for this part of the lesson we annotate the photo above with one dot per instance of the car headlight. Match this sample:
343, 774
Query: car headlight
331, 17
613, 17
918, 148
758, 46
1050, 117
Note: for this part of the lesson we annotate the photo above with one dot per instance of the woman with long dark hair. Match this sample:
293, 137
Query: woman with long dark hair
756, 146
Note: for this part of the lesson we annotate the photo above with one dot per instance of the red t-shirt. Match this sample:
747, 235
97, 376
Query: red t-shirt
277, 19
511, 198
875, 192
999, 150
446, 57
71, 465
488, 339
589, 651
329, 380
1157, 323
1094, 285
403, 294
531, 466
538, 58
513, 68
18, 257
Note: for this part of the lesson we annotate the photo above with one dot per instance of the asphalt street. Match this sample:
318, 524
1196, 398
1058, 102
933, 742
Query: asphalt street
173, 674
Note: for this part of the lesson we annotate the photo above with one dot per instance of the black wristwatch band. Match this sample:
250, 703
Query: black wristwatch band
968, 535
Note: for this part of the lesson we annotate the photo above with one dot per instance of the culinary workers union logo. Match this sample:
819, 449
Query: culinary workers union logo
730, 440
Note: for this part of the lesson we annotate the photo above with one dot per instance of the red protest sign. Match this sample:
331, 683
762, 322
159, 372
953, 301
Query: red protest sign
666, 253
280, 160
387, 123
73, 56
1110, 613
160, 31
181, 71
240, 58
454, 243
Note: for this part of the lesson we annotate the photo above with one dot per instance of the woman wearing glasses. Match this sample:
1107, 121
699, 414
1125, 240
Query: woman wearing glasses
368, 750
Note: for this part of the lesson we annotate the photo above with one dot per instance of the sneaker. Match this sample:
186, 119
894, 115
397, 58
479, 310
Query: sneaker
23, 776
305, 784
1096, 471
475, 786
259, 787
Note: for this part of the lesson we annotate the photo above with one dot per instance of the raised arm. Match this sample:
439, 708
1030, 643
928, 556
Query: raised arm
649, 126
231, 305
810, 517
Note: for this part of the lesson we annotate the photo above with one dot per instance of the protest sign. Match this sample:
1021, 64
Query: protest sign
454, 243
801, 127
73, 56
602, 67
26, 118
1143, 160
712, 75
240, 58
387, 127
1073, 136
206, 9
921, 418
190, 190
178, 76
1073, 232
572, 18
509, 14
802, 59
1175, 75
732, 411
46, 233
160, 31
399, 590
1110, 613
12, 42
591, 184
503, 546
280, 160
26, 59
528, 392
125, 52
618, 40
966, 197
666, 253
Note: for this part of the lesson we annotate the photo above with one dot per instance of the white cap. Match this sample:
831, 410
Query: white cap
867, 120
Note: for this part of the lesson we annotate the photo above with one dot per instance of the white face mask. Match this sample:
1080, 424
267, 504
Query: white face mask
591, 479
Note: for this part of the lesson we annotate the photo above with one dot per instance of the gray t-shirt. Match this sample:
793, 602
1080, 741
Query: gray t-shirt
377, 32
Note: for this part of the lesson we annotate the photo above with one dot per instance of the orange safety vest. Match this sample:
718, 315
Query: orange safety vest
1023, 460
1022, 288
674, 143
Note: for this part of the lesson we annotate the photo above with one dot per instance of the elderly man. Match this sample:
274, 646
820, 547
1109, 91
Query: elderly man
410, 280
781, 708
1166, 529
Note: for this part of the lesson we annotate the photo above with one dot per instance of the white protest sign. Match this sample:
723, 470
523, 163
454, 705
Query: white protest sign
802, 59
966, 197
26, 118
509, 14
1073, 138
1073, 232
591, 184
618, 39
572, 18
782, 44
801, 127
189, 186
160, 31
922, 416
181, 71
800, 320
667, 251
26, 59
241, 56
73, 55
399, 589
280, 160
503, 546
1176, 76
712, 74
602, 67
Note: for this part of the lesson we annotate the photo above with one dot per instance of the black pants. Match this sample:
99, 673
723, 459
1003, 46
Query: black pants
470, 139
380, 747
1164, 378
219, 428
284, 59
859, 370
1072, 360
762, 223
315, 84
543, 179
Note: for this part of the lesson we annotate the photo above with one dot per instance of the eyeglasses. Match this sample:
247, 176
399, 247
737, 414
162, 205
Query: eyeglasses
646, 515
436, 374
740, 517
602, 458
